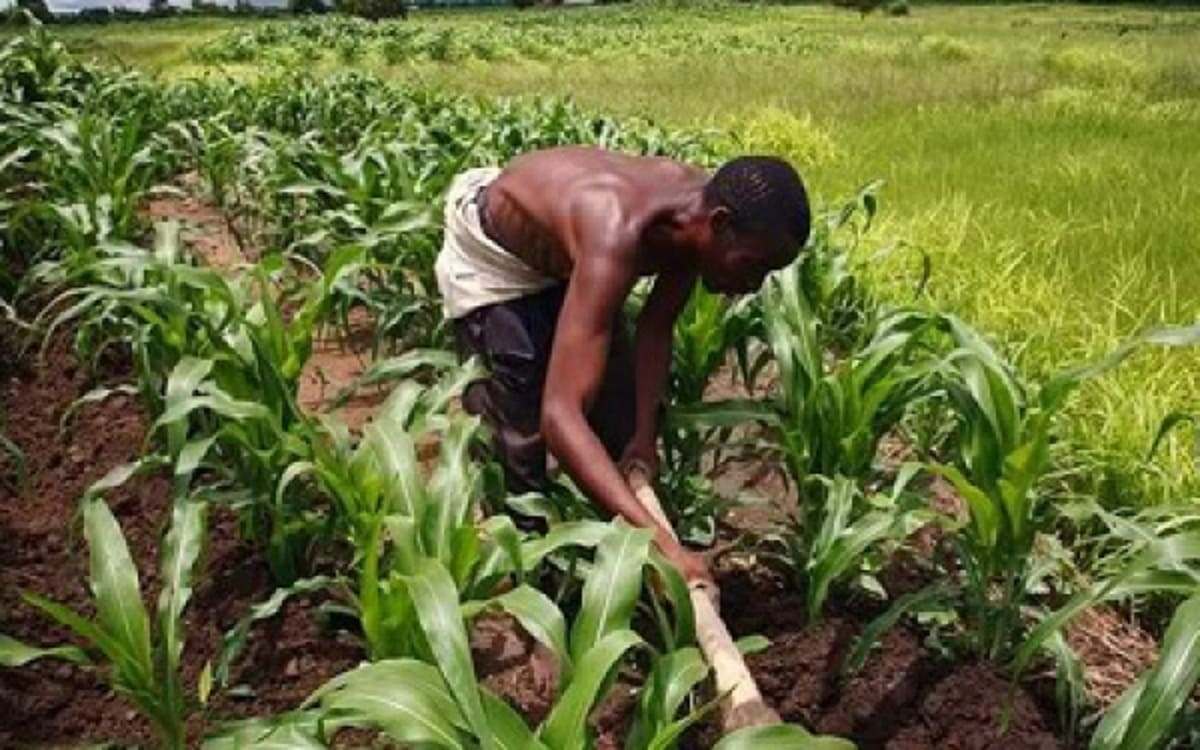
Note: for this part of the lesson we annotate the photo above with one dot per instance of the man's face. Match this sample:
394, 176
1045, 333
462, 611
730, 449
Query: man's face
738, 262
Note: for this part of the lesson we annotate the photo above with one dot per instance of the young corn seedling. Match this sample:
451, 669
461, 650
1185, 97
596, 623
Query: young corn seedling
1155, 553
220, 367
87, 180
1003, 454
436, 700
825, 422
1152, 711
407, 491
709, 333
234, 164
141, 659
379, 197
411, 489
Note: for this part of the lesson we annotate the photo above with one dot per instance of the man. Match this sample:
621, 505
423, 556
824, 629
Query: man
537, 262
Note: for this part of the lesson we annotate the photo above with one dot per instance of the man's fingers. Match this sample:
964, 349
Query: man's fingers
708, 588
635, 465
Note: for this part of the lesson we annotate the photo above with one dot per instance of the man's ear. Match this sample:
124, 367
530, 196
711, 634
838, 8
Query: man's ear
719, 218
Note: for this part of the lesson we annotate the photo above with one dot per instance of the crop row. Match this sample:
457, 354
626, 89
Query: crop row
536, 37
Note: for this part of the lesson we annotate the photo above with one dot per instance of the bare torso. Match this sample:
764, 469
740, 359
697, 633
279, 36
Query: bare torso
534, 208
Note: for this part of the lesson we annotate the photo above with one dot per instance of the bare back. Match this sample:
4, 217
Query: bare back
534, 207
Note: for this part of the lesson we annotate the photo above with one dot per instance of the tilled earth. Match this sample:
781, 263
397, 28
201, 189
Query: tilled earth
903, 698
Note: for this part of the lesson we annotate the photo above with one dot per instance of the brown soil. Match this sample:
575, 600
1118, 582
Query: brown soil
904, 697
335, 361
1112, 650
203, 227
50, 703
963, 711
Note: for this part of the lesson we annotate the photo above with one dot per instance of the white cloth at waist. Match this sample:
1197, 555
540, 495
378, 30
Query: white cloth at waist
472, 269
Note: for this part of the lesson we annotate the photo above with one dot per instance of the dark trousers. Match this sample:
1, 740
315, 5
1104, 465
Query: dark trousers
514, 340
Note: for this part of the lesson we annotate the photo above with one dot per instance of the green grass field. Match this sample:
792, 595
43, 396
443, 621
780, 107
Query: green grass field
1045, 157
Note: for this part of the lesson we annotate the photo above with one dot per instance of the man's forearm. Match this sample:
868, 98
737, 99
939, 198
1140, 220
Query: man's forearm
653, 357
581, 454
653, 349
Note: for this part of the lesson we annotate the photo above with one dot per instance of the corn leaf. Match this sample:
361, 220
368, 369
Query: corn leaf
509, 730
728, 413
1115, 723
435, 600
235, 638
405, 699
216, 401
452, 489
504, 556
671, 680
930, 596
181, 549
611, 591
289, 732
393, 451
1167, 564
677, 589
396, 368
843, 556
122, 473
14, 653
566, 726
542, 619
1168, 685
780, 737
569, 534
114, 582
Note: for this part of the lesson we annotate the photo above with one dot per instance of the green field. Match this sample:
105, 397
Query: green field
227, 373
1045, 157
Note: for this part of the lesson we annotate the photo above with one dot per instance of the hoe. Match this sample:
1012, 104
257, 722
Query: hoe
742, 705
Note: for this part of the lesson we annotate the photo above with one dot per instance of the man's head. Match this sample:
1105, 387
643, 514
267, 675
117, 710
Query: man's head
757, 219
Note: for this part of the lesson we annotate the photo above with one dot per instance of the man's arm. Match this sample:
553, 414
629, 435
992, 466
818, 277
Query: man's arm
594, 297
653, 356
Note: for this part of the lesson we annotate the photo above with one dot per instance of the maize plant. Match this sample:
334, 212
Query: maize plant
379, 197
410, 490
1003, 452
826, 276
36, 68
710, 334
142, 659
434, 699
1153, 553
1151, 712
219, 367
394, 508
234, 165
825, 421
96, 171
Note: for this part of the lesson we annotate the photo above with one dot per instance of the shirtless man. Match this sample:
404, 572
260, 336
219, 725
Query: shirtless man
537, 262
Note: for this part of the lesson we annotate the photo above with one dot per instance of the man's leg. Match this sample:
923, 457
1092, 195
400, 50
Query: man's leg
513, 339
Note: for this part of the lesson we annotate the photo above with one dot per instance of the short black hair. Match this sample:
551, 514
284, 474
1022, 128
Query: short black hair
763, 193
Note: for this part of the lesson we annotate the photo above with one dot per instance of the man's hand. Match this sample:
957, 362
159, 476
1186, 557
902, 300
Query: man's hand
691, 565
640, 455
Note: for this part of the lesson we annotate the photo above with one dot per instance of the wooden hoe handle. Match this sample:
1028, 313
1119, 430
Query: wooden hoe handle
743, 705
